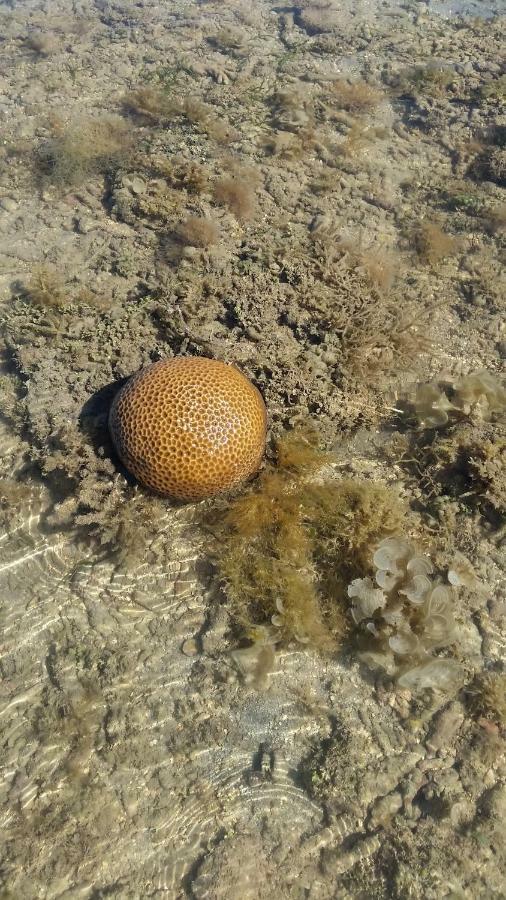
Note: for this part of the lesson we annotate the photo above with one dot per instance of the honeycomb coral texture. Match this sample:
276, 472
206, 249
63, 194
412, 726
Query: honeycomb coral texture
189, 427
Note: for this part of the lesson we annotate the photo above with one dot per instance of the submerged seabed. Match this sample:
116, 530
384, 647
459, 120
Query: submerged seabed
136, 762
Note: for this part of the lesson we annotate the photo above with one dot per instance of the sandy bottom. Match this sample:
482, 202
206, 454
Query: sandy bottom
316, 194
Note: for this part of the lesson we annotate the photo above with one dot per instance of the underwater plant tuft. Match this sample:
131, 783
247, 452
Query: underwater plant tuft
204, 116
85, 147
42, 43
46, 288
490, 165
229, 40
151, 105
188, 175
289, 545
355, 96
238, 195
487, 696
495, 218
198, 231
433, 244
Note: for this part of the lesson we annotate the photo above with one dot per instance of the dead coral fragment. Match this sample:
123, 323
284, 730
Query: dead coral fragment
289, 545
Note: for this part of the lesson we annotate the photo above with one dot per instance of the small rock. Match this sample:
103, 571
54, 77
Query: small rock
84, 225
8, 204
189, 647
466, 68
134, 183
253, 334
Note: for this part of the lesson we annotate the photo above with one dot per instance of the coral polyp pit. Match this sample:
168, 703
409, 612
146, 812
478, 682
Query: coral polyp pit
189, 428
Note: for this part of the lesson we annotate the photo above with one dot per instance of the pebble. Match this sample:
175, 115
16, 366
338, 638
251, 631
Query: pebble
190, 647
84, 225
134, 183
253, 334
25, 130
464, 68
8, 204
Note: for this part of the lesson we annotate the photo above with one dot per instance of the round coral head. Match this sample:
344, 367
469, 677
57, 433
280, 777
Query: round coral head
189, 428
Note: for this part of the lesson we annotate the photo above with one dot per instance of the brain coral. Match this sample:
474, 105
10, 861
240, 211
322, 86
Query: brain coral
189, 428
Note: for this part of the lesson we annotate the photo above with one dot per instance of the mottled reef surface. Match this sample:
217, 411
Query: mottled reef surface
315, 193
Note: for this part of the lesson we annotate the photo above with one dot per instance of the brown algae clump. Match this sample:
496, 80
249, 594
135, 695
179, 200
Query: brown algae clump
46, 288
86, 147
433, 244
189, 428
151, 105
455, 445
289, 546
197, 231
487, 696
355, 96
238, 195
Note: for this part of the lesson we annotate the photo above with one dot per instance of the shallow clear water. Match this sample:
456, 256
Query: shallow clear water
251, 182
